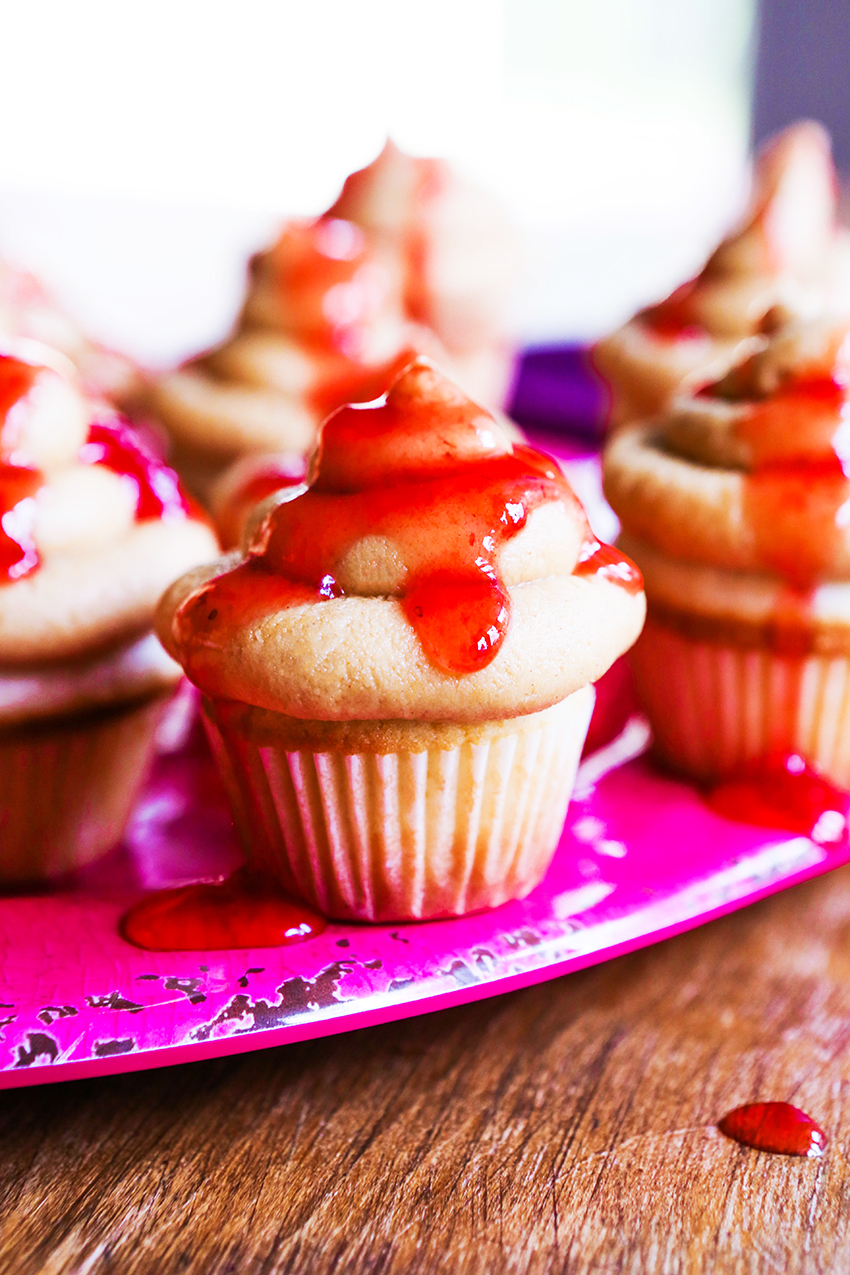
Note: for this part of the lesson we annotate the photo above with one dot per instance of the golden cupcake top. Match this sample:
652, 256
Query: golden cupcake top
92, 526
429, 568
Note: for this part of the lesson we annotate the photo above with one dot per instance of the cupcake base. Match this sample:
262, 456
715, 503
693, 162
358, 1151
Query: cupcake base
67, 787
715, 707
392, 821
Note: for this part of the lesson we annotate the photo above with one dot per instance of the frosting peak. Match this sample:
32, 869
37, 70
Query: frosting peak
792, 214
426, 426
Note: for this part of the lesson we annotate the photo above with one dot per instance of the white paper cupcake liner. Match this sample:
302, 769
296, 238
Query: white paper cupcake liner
67, 788
408, 835
713, 707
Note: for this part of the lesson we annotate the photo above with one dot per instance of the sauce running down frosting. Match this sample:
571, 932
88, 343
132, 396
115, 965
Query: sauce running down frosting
110, 443
431, 491
339, 301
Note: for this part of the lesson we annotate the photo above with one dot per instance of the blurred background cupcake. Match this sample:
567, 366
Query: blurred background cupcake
93, 527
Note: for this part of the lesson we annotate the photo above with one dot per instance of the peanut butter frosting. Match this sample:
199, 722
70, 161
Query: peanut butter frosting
746, 474
429, 569
92, 530
735, 503
788, 259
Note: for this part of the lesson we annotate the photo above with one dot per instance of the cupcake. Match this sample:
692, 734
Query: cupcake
92, 530
397, 670
458, 253
323, 324
734, 503
788, 259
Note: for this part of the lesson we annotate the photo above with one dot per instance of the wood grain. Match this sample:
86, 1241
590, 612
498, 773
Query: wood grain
567, 1128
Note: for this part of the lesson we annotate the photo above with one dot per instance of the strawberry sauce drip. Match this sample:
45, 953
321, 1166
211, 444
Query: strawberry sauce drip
775, 1126
672, 319
334, 293
597, 559
116, 446
18, 554
244, 910
18, 481
783, 792
796, 495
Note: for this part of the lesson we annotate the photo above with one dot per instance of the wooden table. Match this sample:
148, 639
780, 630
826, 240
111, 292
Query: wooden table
565, 1128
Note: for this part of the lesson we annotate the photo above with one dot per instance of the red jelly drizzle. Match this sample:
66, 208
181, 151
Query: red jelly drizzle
245, 910
333, 292
775, 1126
673, 319
270, 479
604, 560
427, 472
116, 446
18, 482
18, 554
783, 792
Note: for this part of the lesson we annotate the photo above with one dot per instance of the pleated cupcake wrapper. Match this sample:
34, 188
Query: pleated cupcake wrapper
408, 835
67, 788
714, 707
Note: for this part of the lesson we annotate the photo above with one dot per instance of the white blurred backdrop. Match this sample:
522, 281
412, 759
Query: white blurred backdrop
148, 148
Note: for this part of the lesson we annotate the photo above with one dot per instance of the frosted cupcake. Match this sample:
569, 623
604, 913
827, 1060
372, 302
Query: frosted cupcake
398, 668
788, 259
458, 253
92, 530
322, 324
734, 505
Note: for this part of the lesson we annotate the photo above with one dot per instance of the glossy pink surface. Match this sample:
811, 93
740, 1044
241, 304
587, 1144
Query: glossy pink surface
641, 858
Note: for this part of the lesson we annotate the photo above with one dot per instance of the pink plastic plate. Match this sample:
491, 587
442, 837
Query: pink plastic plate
641, 858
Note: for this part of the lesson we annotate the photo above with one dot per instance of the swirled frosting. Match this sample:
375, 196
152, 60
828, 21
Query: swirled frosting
322, 325
429, 569
788, 259
737, 501
748, 474
399, 266
92, 529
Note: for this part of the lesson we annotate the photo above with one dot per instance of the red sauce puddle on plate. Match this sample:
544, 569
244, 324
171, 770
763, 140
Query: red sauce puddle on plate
783, 792
774, 1126
244, 910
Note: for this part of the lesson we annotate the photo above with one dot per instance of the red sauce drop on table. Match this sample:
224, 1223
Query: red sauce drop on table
774, 1126
245, 910
783, 792
116, 446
